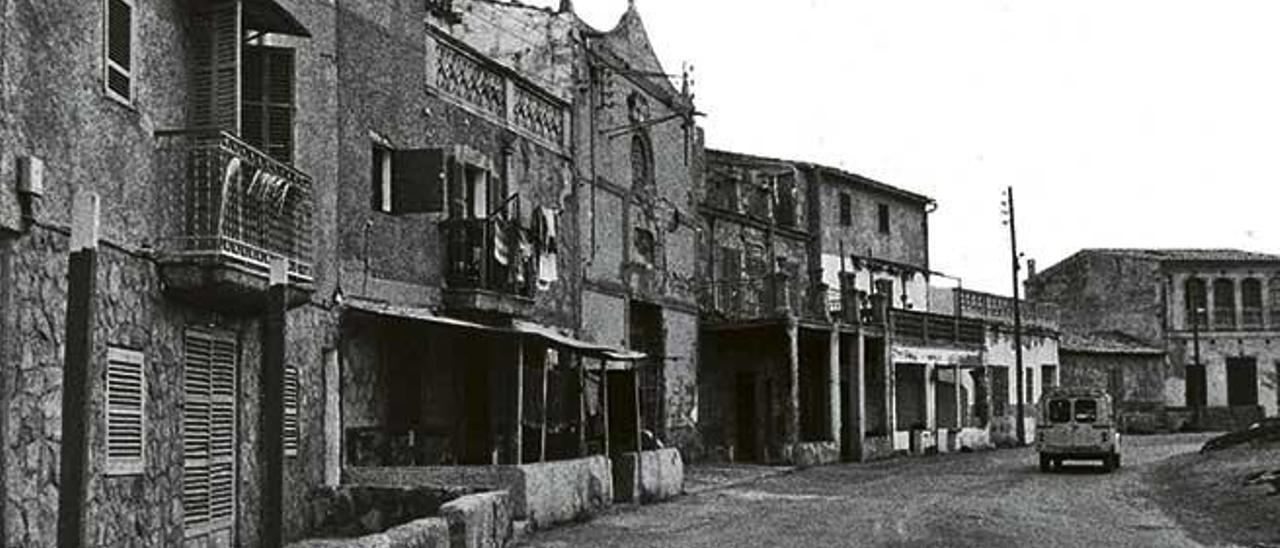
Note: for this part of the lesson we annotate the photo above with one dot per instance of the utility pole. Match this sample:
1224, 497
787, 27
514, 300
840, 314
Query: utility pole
1017, 316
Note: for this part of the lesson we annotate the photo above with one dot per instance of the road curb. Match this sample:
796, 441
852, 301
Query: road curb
781, 471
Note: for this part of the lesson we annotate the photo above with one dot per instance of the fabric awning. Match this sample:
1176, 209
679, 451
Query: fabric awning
521, 327
412, 313
584, 347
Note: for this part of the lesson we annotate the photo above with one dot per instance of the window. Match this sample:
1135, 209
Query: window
641, 163
999, 390
407, 181
1197, 305
1273, 296
882, 214
126, 391
290, 441
1224, 303
645, 246
846, 209
1029, 376
786, 191
208, 430
266, 104
1251, 302
1086, 410
476, 185
118, 50
1059, 410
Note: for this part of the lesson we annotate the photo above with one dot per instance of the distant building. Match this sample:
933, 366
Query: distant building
1227, 301
1132, 371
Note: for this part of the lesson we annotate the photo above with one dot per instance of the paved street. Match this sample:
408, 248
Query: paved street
994, 498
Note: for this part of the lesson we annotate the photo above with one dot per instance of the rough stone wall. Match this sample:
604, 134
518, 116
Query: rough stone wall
383, 90
1214, 351
681, 377
907, 240
1104, 292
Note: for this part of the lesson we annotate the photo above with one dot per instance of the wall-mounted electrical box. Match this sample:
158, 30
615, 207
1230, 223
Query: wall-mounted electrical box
31, 175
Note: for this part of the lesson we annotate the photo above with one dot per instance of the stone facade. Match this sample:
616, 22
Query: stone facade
1152, 296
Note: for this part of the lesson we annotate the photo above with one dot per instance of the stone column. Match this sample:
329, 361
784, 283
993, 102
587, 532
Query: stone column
856, 425
1239, 308
833, 378
1210, 306
790, 409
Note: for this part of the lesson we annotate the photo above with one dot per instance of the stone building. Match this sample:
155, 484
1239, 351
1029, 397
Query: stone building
636, 154
767, 369
1212, 311
186, 119
1131, 371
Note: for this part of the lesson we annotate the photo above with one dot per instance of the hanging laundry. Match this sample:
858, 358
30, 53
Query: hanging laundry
545, 221
500, 251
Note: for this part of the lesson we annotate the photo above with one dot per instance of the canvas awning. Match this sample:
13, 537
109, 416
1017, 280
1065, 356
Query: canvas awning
521, 327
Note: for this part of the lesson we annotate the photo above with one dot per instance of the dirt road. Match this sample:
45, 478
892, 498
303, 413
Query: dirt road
995, 498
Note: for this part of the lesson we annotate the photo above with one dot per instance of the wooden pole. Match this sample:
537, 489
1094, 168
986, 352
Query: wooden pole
82, 271
1017, 321
604, 403
635, 495
272, 421
542, 443
582, 406
518, 435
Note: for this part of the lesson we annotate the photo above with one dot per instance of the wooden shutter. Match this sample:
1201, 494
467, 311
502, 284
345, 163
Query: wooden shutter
209, 431
418, 179
267, 105
290, 411
119, 49
215, 79
126, 390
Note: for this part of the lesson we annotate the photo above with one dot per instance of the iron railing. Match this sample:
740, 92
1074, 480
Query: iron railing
489, 254
240, 205
985, 306
1251, 317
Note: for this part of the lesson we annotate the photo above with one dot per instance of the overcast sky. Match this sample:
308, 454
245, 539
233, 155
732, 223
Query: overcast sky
1119, 123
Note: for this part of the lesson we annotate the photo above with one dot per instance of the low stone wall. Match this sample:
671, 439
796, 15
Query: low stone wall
482, 520
356, 510
661, 475
567, 490
972, 439
877, 447
421, 533
814, 453
544, 493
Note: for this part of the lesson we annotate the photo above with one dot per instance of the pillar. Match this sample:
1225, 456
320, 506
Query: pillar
855, 414
790, 410
82, 272
272, 402
959, 409
833, 379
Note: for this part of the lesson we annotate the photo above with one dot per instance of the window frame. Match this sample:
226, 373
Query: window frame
846, 209
108, 64
882, 218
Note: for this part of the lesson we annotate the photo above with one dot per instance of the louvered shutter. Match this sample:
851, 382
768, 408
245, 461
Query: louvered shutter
126, 390
418, 180
267, 105
215, 79
290, 411
209, 431
119, 49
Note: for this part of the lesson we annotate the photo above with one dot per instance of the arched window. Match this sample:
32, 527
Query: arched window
1273, 292
641, 163
1197, 307
1251, 302
1224, 303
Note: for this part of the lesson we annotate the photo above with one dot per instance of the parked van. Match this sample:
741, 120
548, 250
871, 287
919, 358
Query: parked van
1078, 423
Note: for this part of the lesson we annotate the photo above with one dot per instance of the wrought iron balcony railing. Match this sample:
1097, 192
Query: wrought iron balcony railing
240, 207
762, 297
1251, 317
487, 254
976, 304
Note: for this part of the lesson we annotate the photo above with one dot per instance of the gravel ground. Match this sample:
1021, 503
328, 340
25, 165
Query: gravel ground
995, 498
1208, 496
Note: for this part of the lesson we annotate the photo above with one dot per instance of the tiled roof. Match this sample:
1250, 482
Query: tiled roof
1107, 342
1209, 255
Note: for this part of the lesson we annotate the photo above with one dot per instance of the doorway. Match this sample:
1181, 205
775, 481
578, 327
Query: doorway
646, 335
1242, 381
745, 418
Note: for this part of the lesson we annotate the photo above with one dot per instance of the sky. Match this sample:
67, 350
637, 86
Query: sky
1134, 123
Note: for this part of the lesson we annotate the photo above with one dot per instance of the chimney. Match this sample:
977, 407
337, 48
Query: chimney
1031, 268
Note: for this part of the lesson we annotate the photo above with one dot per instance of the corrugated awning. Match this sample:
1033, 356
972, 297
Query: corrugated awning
586, 348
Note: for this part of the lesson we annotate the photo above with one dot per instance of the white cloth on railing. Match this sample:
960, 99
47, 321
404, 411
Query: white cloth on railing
545, 221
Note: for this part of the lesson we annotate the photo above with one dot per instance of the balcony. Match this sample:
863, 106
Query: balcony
1251, 317
238, 212
486, 270
997, 308
765, 297
928, 329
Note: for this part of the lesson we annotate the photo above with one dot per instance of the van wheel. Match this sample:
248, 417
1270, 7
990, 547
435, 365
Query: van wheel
1111, 462
1046, 464
1115, 461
